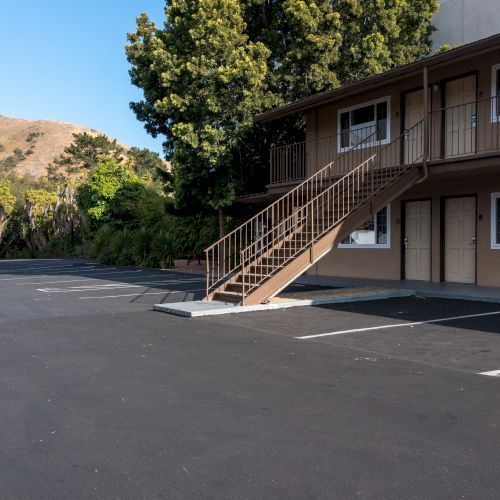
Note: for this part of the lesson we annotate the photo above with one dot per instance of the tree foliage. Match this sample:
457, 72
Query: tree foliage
7, 199
7, 204
378, 35
149, 166
216, 62
83, 154
107, 179
203, 80
39, 207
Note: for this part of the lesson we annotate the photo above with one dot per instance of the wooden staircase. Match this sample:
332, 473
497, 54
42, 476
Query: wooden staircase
260, 258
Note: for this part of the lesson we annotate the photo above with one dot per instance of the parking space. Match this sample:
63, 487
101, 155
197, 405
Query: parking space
458, 335
104, 398
64, 287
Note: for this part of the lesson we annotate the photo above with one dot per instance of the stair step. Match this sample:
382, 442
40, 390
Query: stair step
234, 287
233, 297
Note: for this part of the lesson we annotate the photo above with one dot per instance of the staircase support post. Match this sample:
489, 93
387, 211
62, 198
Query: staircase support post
426, 121
242, 279
311, 251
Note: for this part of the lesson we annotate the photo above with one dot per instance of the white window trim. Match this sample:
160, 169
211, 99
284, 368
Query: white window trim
363, 105
375, 245
494, 117
494, 244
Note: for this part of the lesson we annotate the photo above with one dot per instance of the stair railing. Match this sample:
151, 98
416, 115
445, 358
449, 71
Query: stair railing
223, 258
288, 163
298, 232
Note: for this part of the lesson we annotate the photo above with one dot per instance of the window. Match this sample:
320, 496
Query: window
495, 93
375, 233
364, 124
495, 220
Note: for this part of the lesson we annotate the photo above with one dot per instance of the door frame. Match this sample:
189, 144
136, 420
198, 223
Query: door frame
403, 231
442, 234
442, 102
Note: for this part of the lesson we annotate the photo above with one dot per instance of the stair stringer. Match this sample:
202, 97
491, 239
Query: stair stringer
310, 256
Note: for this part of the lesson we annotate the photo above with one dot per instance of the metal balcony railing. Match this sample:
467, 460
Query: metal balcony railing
292, 162
454, 131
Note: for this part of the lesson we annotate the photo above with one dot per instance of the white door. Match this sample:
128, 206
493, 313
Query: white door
460, 240
418, 240
414, 113
460, 116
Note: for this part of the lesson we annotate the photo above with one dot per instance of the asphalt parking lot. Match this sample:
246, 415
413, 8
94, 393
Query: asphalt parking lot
104, 398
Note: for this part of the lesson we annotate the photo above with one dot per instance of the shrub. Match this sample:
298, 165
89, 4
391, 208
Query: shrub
121, 249
100, 244
32, 136
165, 249
95, 197
143, 238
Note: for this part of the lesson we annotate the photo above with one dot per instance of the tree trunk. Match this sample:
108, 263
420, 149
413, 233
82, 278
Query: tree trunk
221, 224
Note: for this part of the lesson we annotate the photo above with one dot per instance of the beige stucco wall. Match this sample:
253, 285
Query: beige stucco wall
322, 122
386, 263
461, 178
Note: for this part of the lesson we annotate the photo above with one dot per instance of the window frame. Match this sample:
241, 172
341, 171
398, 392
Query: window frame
365, 104
495, 245
374, 246
495, 97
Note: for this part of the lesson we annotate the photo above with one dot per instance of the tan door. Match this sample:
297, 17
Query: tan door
460, 116
414, 113
418, 240
460, 240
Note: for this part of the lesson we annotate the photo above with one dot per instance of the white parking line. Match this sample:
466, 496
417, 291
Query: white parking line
63, 273
400, 325
98, 279
97, 273
165, 292
84, 288
494, 373
36, 268
111, 286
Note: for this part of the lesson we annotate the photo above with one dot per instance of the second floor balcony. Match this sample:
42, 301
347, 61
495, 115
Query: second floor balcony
455, 133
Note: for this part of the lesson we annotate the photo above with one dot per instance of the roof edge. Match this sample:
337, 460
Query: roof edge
485, 44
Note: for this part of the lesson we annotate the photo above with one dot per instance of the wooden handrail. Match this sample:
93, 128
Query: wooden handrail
325, 210
223, 257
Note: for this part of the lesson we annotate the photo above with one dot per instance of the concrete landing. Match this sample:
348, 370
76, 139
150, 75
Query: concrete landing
200, 308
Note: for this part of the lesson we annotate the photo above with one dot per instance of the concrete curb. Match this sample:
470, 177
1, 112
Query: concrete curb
201, 308
431, 294
196, 309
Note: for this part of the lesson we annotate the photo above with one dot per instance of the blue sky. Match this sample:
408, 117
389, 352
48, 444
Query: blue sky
64, 60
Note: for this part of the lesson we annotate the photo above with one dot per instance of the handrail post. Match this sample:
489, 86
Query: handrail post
426, 119
207, 281
271, 166
242, 278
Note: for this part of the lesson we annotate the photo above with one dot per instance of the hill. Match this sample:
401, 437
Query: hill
28, 147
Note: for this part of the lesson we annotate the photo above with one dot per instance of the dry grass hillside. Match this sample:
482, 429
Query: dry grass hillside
30, 146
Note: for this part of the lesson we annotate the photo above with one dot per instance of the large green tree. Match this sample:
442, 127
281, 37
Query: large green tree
203, 80
216, 62
378, 35
317, 45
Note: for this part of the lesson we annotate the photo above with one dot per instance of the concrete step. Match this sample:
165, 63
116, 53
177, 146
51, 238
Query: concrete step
232, 297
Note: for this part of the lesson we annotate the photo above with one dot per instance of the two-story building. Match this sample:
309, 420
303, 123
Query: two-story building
398, 178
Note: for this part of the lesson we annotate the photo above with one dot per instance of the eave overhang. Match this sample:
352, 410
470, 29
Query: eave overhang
450, 57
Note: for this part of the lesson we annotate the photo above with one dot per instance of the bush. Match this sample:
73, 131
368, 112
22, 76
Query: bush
143, 239
58, 247
165, 249
121, 249
32, 136
100, 244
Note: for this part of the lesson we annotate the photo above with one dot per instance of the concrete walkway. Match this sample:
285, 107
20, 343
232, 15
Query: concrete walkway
424, 288
385, 289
